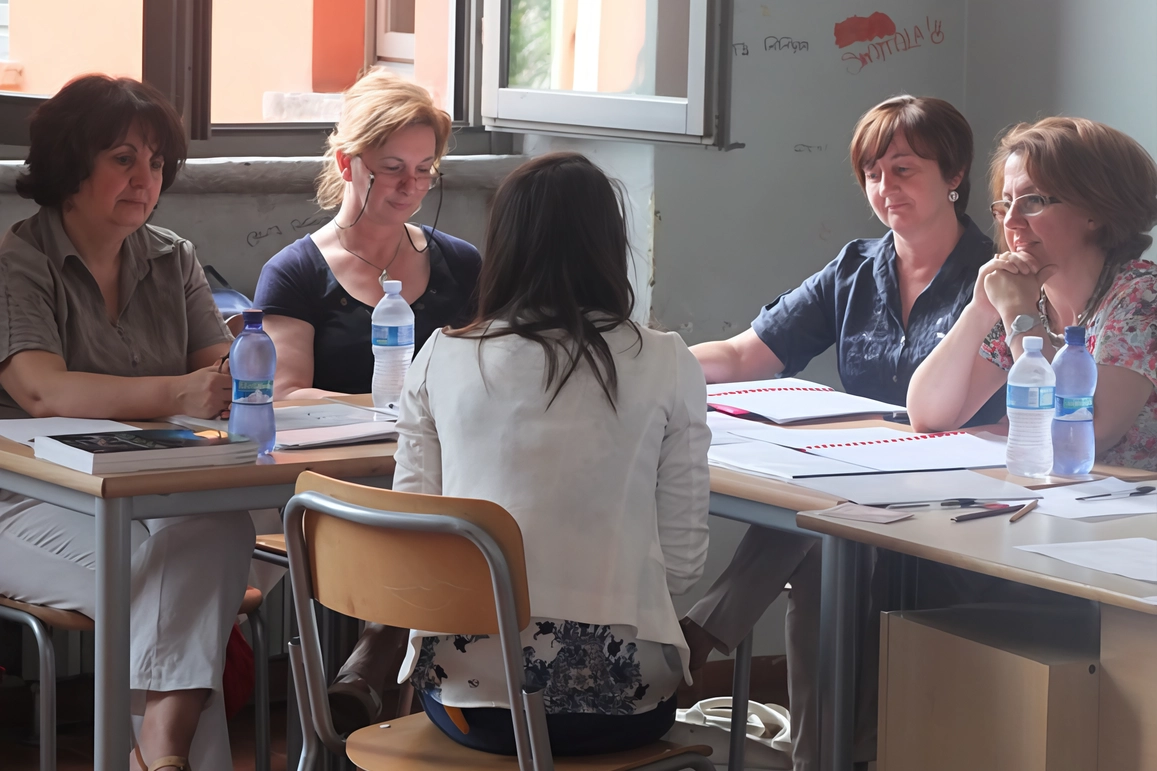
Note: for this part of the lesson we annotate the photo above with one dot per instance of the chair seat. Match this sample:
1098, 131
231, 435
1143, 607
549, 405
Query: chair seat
54, 617
415, 744
274, 544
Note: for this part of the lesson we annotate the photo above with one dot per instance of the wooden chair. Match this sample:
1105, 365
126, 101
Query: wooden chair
39, 618
455, 566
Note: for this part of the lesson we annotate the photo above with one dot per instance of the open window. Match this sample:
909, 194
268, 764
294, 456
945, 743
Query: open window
639, 69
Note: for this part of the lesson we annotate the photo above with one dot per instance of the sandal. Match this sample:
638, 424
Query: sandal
169, 761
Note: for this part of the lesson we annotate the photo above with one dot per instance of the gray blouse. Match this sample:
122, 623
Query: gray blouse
50, 302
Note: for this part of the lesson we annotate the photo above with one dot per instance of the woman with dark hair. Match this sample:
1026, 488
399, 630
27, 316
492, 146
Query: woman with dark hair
591, 431
1075, 201
105, 316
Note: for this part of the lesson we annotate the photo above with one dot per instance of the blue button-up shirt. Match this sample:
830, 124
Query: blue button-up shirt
854, 304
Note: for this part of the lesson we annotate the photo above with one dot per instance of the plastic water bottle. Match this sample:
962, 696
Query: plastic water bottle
253, 360
393, 341
1030, 413
1073, 443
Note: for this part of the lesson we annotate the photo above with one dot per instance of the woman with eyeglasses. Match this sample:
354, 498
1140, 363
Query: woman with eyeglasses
1076, 200
318, 293
884, 303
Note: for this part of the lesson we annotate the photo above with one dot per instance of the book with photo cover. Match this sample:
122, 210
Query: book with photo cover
145, 450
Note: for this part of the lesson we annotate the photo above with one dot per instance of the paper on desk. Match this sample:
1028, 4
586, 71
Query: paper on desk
772, 461
1130, 557
886, 449
722, 427
294, 417
860, 513
24, 430
333, 436
1061, 501
919, 487
787, 400
1149, 600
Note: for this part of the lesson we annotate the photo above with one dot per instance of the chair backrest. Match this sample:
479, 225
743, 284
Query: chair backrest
380, 570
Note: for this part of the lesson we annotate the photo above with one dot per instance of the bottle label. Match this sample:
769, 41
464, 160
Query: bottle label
1073, 408
252, 391
393, 335
1030, 397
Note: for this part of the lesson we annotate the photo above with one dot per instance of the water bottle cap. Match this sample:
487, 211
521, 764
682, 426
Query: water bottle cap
1032, 343
1074, 335
252, 317
392, 286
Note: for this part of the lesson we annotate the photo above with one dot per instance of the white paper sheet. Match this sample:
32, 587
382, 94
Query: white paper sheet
771, 460
24, 430
1061, 501
919, 487
1130, 557
333, 436
1149, 600
886, 449
722, 427
860, 513
294, 418
787, 400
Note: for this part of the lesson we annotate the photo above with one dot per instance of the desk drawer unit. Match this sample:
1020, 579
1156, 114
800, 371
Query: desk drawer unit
992, 688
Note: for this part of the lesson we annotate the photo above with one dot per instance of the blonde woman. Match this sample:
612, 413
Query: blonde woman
318, 292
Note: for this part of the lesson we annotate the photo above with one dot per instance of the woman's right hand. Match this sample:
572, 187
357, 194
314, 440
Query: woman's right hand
204, 393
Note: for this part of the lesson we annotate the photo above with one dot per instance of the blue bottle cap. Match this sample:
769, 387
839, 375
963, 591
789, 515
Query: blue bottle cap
1074, 335
252, 317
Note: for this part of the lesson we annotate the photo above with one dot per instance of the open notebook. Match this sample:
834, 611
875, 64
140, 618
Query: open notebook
788, 400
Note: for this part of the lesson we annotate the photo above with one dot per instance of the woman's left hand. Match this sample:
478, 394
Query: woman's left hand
1016, 287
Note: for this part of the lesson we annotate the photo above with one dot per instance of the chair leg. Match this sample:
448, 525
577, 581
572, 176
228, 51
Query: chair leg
310, 746
261, 743
47, 711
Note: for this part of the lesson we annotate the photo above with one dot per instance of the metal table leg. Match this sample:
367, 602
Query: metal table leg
837, 654
740, 693
113, 547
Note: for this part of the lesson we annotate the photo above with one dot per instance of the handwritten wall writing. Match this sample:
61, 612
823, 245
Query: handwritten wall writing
904, 40
296, 225
740, 49
802, 148
786, 43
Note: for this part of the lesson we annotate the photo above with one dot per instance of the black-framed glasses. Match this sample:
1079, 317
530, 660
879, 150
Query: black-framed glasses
1031, 204
422, 180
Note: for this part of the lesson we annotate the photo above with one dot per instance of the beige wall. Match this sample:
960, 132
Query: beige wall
258, 46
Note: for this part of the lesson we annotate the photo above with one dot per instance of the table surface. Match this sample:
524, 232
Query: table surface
985, 545
281, 467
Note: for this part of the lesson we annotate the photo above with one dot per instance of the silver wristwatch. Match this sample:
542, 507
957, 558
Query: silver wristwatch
1021, 324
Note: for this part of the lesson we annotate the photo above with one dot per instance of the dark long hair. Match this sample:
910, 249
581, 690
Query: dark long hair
555, 270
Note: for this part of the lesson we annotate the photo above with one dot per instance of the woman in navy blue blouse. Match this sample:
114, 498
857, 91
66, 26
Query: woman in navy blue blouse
884, 303
318, 293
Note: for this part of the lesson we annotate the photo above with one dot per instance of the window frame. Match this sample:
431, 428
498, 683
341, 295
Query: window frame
290, 139
391, 46
700, 118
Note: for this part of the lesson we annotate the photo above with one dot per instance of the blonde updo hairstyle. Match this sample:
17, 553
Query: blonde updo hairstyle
379, 104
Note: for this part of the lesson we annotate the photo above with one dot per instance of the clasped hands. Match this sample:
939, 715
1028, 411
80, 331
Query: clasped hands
1010, 283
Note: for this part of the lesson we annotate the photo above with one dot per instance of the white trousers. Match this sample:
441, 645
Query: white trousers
188, 577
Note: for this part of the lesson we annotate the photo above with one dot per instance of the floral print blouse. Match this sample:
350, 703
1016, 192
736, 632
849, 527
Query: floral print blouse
581, 668
1121, 333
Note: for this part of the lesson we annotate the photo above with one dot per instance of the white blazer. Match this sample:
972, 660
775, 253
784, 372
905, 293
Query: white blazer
612, 503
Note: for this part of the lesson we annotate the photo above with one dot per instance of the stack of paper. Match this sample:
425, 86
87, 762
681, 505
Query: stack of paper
25, 430
787, 400
886, 449
775, 462
320, 425
722, 426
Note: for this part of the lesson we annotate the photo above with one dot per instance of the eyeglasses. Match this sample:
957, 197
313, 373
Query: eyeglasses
422, 180
1031, 204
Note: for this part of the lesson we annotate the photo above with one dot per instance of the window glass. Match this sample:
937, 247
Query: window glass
637, 47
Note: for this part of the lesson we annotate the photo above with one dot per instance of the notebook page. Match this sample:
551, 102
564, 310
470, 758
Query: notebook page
787, 400
771, 460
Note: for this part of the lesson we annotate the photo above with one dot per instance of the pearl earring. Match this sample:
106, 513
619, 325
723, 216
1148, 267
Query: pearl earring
953, 196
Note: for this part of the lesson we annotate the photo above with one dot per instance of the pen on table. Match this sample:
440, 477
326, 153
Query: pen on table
1141, 490
986, 513
1023, 510
948, 503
